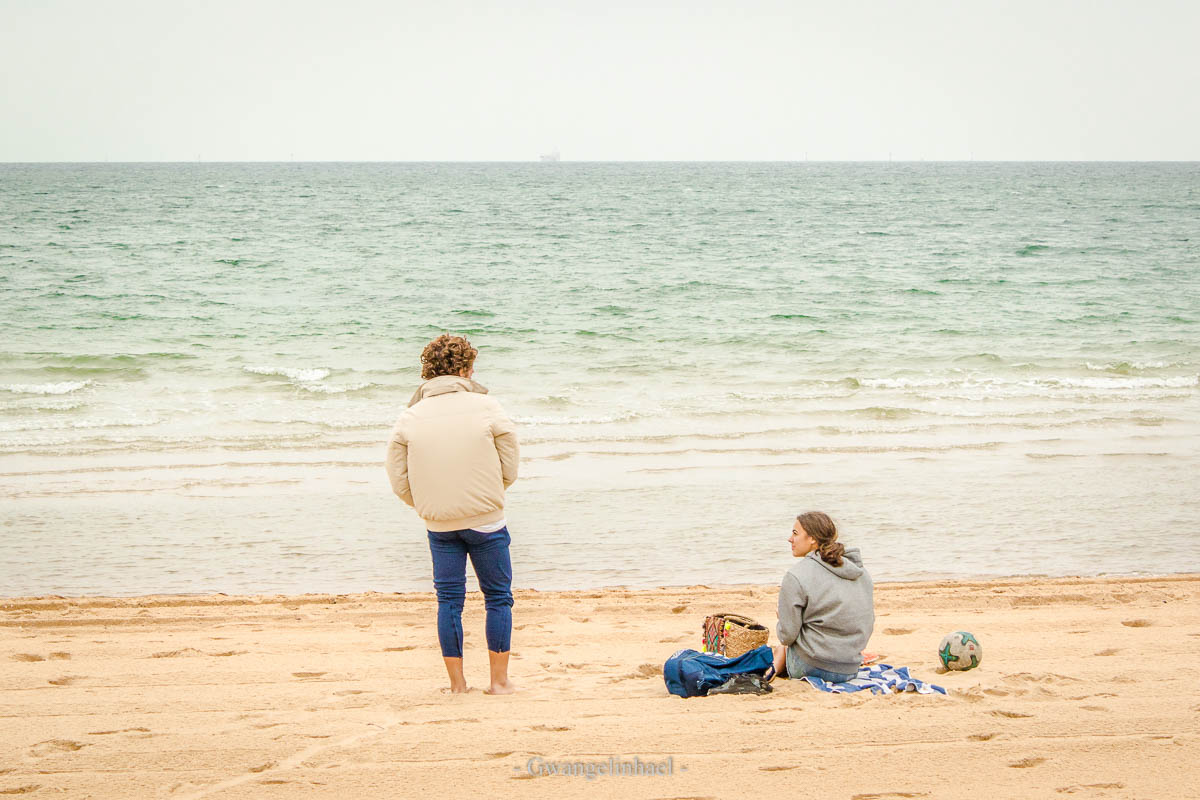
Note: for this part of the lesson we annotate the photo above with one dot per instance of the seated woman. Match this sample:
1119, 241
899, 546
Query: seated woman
826, 605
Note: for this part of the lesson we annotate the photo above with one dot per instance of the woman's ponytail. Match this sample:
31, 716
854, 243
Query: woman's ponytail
831, 553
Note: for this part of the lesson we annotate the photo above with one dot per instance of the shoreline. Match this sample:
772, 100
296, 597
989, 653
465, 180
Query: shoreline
1080, 692
222, 598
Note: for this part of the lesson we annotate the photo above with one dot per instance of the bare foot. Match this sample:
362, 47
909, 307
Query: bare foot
501, 688
457, 689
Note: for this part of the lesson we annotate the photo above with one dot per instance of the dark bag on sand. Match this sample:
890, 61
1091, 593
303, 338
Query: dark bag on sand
689, 673
745, 683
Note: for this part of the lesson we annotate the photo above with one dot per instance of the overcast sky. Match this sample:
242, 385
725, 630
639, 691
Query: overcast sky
507, 80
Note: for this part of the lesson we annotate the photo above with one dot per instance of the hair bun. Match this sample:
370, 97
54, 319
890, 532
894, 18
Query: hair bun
831, 553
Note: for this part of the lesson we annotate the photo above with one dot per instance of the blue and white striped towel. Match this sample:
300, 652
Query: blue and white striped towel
879, 678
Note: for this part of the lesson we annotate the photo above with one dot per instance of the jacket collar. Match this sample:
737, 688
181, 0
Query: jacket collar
445, 384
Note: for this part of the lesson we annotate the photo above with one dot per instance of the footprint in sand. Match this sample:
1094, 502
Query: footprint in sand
678, 609
1081, 787
1111, 651
346, 692
228, 653
27, 657
122, 730
184, 653
549, 728
646, 671
52, 746
1011, 714
399, 649
308, 674
1094, 708
60, 656
897, 631
1136, 623
263, 767
65, 680
777, 769
505, 754
981, 737
885, 795
1026, 763
26, 789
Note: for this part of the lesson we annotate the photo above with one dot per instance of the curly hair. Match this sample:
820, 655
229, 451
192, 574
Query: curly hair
820, 527
447, 355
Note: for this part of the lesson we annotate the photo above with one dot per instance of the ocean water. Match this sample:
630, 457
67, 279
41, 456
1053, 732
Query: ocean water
978, 369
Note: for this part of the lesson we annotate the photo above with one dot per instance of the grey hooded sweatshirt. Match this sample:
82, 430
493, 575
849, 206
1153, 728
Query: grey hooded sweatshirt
827, 613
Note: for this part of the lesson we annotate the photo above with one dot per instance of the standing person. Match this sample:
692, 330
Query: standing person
452, 454
826, 604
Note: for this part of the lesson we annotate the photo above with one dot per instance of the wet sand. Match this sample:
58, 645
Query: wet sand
1085, 690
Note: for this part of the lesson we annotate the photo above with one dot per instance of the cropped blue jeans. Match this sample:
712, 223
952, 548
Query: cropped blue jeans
493, 567
797, 669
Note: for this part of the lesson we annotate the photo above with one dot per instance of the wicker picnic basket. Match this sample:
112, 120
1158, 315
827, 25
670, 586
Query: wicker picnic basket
732, 634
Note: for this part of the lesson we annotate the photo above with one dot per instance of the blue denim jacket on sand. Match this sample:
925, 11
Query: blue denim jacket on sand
690, 673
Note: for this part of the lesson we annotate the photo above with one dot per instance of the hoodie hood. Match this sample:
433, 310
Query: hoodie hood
851, 568
445, 384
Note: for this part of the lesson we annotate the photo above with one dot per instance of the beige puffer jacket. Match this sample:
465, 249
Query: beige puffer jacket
452, 454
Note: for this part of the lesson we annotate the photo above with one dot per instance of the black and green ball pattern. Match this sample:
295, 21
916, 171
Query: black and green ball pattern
960, 651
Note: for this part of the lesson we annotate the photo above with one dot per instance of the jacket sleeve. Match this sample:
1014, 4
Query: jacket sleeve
504, 433
792, 602
397, 465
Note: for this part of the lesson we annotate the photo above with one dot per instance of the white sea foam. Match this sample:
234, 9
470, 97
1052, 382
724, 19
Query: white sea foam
326, 389
909, 383
62, 387
44, 424
291, 373
1181, 382
1122, 365
603, 420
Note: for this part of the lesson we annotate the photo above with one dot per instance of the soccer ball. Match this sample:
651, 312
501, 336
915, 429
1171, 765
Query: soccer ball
960, 650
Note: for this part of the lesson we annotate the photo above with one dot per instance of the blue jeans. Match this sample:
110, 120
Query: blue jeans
493, 568
797, 669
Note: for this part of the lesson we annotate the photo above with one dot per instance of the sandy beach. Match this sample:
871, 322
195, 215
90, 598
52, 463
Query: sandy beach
1084, 691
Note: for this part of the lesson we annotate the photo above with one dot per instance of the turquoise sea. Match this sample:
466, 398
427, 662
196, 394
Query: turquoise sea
978, 369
